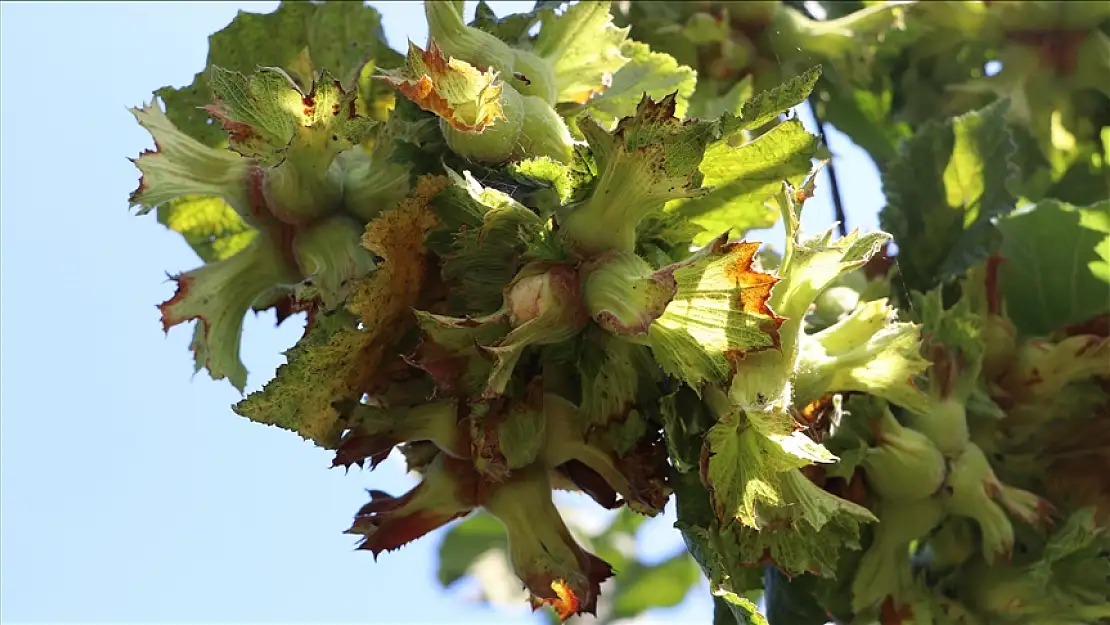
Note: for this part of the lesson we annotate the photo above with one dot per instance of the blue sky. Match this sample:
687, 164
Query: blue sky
129, 491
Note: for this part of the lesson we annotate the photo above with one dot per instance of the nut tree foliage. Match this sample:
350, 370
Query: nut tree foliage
520, 248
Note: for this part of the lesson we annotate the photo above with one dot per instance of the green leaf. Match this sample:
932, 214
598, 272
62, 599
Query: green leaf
583, 47
344, 36
465, 543
747, 470
753, 475
347, 353
511, 29
664, 238
300, 396
732, 583
768, 105
705, 103
806, 535
944, 188
642, 587
864, 115
745, 179
685, 422
790, 601
300, 37
1058, 269
210, 226
653, 73
718, 314
808, 268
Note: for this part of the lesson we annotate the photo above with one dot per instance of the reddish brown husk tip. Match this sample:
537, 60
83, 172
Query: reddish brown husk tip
387, 523
1095, 326
444, 366
994, 302
565, 601
449, 491
356, 448
133, 199
891, 614
424, 91
168, 320
880, 264
236, 131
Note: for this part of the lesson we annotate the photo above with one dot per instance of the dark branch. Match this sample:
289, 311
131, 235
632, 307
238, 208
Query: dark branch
838, 205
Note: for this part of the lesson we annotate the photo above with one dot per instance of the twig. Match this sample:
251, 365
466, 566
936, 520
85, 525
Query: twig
838, 205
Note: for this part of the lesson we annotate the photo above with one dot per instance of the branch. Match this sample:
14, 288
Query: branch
838, 205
